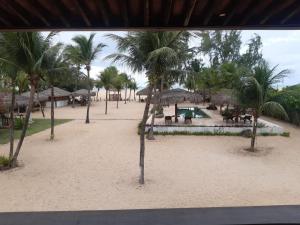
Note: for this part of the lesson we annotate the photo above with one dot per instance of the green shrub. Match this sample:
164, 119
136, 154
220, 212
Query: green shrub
19, 123
289, 98
4, 161
285, 134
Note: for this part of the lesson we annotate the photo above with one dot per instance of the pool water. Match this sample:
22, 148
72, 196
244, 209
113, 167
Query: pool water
196, 112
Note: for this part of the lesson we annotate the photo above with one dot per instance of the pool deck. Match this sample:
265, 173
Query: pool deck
214, 123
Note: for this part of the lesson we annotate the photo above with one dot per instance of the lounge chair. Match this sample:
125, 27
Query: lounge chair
188, 117
246, 117
168, 120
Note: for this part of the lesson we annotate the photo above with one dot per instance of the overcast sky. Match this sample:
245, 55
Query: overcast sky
279, 47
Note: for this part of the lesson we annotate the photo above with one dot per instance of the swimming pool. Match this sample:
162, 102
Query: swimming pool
196, 112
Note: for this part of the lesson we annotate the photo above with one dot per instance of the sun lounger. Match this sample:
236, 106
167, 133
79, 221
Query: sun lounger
168, 120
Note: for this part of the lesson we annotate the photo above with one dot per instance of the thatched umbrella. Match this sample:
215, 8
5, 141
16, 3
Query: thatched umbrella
83, 92
173, 96
143, 91
224, 97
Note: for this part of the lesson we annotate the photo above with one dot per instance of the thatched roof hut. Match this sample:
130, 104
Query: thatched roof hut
5, 101
37, 97
58, 92
224, 97
83, 92
143, 91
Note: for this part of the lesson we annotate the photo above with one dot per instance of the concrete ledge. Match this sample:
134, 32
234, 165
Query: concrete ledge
179, 216
268, 128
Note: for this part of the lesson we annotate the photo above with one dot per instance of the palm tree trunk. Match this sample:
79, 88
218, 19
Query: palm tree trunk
134, 94
98, 94
125, 94
129, 94
40, 105
25, 126
52, 113
142, 137
150, 135
118, 99
12, 123
88, 97
253, 137
106, 101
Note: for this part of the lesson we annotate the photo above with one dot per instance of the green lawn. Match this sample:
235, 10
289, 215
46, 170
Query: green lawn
38, 125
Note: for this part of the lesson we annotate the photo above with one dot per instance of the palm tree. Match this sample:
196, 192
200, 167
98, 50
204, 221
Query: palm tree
253, 93
106, 78
11, 72
125, 81
151, 52
25, 51
134, 87
98, 85
118, 83
87, 52
55, 68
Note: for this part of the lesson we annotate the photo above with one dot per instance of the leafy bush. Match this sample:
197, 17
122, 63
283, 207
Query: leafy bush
4, 161
19, 123
289, 98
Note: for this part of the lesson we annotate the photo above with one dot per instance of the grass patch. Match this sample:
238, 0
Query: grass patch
38, 125
4, 161
285, 134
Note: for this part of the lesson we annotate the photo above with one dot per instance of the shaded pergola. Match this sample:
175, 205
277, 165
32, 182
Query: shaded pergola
149, 14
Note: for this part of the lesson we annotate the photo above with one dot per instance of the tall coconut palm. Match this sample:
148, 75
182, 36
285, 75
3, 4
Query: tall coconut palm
253, 93
87, 53
25, 51
134, 88
118, 83
11, 72
125, 81
55, 69
151, 52
98, 85
106, 78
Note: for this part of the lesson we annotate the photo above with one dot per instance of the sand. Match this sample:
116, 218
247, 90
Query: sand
95, 166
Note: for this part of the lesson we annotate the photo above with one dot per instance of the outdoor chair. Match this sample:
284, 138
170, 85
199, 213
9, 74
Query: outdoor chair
188, 117
168, 120
246, 117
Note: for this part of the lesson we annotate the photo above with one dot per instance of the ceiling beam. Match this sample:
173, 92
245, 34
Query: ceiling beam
277, 9
146, 13
82, 13
32, 9
256, 6
9, 8
125, 12
103, 11
234, 10
58, 10
169, 7
189, 12
210, 12
290, 15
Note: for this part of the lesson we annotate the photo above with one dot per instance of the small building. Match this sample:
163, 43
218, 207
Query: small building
61, 97
114, 97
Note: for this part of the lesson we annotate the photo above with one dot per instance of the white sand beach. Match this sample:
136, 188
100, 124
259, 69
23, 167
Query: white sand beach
95, 166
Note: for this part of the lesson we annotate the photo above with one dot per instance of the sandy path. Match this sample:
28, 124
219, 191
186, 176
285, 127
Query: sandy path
95, 166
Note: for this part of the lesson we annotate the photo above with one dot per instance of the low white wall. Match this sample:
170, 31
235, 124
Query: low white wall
269, 128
